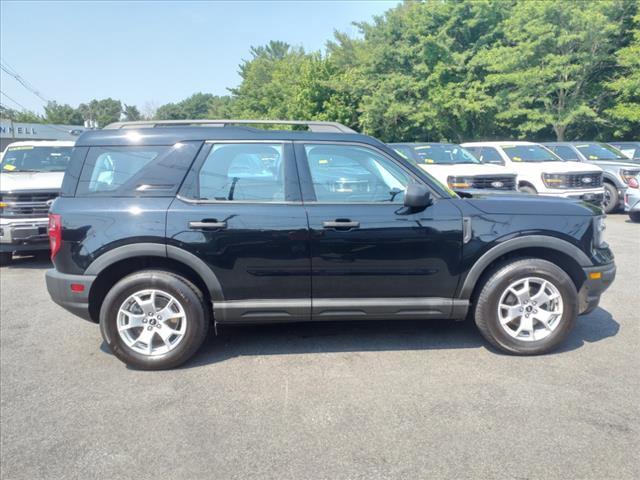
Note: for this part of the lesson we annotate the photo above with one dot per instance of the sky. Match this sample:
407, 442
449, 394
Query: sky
152, 52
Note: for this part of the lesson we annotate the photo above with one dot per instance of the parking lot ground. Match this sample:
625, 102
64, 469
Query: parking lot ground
358, 400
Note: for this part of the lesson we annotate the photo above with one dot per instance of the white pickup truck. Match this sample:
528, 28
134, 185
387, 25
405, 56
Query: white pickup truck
30, 178
542, 172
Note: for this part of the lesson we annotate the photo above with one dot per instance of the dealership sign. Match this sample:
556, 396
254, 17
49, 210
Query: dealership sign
38, 131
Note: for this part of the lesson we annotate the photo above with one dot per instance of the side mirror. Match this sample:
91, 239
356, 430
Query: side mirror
417, 197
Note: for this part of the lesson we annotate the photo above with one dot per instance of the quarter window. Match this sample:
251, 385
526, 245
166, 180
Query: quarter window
349, 173
491, 155
565, 153
242, 172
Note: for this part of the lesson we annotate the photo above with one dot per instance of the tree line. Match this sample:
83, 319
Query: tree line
440, 71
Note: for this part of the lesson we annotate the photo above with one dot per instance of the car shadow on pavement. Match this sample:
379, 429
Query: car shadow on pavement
34, 261
367, 336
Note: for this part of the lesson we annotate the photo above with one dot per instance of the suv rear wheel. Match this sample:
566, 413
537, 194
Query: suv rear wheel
527, 307
154, 320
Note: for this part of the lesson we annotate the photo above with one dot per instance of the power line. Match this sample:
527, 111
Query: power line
11, 72
14, 101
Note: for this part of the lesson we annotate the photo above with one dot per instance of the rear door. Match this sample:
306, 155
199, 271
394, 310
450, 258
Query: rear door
370, 256
240, 211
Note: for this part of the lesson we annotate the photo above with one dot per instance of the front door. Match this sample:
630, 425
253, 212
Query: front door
370, 255
239, 211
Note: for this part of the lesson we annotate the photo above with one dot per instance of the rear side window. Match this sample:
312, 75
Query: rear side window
491, 155
131, 171
242, 172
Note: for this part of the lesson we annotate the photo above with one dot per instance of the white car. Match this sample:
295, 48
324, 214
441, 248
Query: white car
30, 178
455, 167
632, 199
542, 172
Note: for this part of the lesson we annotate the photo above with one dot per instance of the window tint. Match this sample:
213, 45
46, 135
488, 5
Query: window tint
491, 155
242, 172
348, 173
135, 170
565, 153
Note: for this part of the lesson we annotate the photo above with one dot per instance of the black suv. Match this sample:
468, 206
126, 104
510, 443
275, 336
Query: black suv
164, 229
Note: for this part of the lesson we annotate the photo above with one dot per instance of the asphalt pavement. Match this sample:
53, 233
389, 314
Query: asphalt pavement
357, 400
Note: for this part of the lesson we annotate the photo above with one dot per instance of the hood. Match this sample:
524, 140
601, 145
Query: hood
536, 168
441, 172
520, 203
12, 182
617, 163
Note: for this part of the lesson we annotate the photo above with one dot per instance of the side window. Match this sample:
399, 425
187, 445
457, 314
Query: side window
129, 171
242, 172
349, 173
565, 153
491, 155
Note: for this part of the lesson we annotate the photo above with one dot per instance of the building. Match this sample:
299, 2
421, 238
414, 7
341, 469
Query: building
11, 131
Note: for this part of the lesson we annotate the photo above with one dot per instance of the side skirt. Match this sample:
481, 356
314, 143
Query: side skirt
319, 309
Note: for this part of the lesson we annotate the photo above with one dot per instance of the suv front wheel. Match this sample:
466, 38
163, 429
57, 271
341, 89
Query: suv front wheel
527, 307
154, 320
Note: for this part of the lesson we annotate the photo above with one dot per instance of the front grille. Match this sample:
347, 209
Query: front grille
27, 204
494, 182
583, 180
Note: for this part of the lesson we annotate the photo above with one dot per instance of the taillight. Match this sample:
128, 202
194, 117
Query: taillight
55, 233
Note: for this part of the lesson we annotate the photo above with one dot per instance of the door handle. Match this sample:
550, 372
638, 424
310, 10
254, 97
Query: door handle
341, 224
208, 225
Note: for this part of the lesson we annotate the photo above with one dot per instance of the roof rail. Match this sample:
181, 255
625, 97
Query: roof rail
312, 125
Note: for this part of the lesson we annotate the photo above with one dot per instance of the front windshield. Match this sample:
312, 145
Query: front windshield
600, 151
35, 159
443, 154
530, 153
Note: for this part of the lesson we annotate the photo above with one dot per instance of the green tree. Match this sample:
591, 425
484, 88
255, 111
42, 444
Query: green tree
549, 70
625, 113
62, 114
194, 107
24, 116
104, 111
131, 113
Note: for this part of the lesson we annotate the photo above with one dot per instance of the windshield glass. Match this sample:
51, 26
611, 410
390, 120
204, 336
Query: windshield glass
443, 154
600, 151
36, 159
530, 153
630, 149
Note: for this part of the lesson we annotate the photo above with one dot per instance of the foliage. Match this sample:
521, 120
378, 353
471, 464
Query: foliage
18, 116
62, 114
131, 113
104, 111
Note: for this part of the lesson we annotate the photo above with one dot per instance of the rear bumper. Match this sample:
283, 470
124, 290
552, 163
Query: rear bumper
23, 234
59, 287
593, 288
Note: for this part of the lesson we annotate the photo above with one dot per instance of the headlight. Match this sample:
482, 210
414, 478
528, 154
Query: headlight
555, 180
460, 182
598, 232
627, 175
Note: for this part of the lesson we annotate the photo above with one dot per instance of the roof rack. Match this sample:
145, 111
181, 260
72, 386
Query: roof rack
313, 126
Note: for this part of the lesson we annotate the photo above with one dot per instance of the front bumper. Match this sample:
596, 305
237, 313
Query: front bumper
594, 196
19, 234
59, 287
598, 280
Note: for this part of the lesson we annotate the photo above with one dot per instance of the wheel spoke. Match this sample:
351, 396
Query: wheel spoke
542, 297
545, 317
511, 312
133, 321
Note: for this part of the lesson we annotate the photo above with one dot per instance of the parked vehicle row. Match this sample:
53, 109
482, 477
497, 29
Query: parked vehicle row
165, 229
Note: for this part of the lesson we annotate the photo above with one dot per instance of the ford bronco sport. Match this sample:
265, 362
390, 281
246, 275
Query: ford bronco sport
164, 229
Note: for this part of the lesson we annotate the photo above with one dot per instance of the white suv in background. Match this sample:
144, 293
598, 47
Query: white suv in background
455, 167
542, 172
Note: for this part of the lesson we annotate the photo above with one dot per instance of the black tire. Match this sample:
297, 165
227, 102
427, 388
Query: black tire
527, 189
185, 292
611, 198
5, 258
486, 309
635, 217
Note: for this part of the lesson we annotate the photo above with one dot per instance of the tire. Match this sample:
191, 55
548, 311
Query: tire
527, 189
496, 288
184, 332
635, 217
611, 198
5, 258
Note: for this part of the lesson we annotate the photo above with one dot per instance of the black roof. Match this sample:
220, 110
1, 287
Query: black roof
172, 135
415, 144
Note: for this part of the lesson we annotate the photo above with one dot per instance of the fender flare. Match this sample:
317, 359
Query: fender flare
163, 251
518, 243
606, 175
